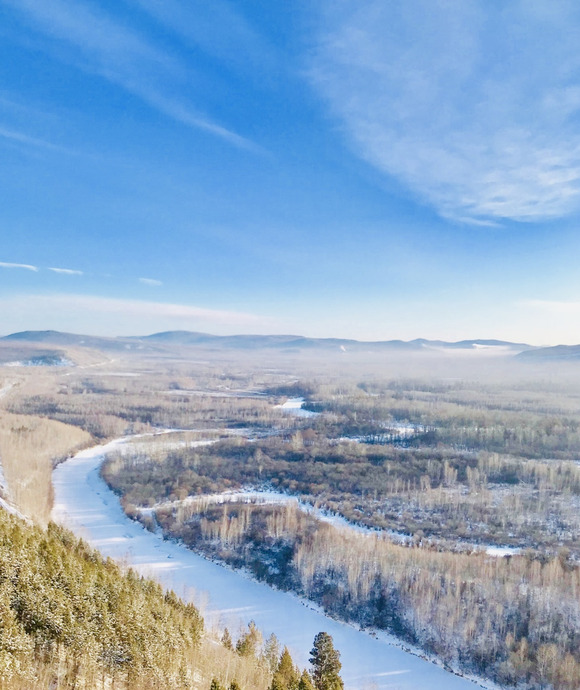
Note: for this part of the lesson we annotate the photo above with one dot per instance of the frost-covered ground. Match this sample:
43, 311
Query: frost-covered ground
85, 504
271, 497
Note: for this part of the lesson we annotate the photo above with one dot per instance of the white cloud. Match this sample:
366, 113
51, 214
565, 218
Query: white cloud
150, 281
472, 106
103, 46
28, 267
66, 271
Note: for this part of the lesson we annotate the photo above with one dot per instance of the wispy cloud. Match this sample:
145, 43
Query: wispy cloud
66, 271
472, 106
28, 267
94, 314
177, 111
22, 138
103, 46
219, 28
150, 281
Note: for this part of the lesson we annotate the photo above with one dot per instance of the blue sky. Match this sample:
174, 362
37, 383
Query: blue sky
353, 168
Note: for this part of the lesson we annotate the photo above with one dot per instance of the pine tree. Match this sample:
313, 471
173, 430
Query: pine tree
216, 685
287, 670
305, 681
234, 685
325, 660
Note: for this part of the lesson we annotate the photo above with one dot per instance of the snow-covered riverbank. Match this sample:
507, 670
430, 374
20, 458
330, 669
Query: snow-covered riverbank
272, 497
85, 504
294, 406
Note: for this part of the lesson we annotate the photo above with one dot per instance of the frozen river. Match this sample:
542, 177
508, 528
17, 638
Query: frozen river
85, 504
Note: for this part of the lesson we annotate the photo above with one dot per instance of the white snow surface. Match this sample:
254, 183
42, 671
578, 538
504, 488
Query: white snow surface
294, 406
5, 499
85, 504
5, 502
7, 388
501, 551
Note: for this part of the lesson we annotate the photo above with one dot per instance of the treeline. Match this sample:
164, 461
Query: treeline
515, 620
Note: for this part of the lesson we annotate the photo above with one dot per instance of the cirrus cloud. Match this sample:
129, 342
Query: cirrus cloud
28, 267
67, 271
100, 43
473, 106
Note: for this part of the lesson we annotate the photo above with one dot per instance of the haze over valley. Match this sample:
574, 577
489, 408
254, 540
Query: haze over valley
328, 472
289, 345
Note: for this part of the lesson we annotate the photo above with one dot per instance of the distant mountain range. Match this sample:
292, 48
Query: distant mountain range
64, 340
169, 339
556, 353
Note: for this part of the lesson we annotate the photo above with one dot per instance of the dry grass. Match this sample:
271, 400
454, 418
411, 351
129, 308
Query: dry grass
211, 659
29, 446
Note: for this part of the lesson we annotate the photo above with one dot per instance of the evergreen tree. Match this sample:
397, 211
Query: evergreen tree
325, 660
216, 685
287, 670
234, 685
249, 642
278, 682
67, 613
305, 681
15, 645
227, 639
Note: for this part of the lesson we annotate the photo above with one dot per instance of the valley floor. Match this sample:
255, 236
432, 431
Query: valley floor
86, 505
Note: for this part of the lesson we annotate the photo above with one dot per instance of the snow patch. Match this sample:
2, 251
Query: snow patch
42, 361
294, 406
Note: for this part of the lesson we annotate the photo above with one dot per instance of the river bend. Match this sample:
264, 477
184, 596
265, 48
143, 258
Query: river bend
85, 504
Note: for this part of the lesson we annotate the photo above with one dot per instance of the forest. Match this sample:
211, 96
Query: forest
71, 619
440, 507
